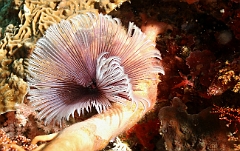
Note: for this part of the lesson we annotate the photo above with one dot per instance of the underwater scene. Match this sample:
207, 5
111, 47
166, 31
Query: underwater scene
119, 75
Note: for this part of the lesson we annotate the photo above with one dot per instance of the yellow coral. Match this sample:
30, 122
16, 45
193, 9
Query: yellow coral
18, 41
228, 74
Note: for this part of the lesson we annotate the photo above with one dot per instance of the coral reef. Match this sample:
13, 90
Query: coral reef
228, 77
120, 146
232, 118
145, 132
20, 34
195, 50
183, 131
14, 144
199, 43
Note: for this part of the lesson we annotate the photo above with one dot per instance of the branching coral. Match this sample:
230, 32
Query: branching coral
120, 146
232, 117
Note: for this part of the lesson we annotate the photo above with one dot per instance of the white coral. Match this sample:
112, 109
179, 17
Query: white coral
120, 146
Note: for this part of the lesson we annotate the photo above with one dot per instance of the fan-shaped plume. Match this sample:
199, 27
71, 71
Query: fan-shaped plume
88, 61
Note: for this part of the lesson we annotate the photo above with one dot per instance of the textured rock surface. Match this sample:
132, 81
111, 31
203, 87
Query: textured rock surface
183, 131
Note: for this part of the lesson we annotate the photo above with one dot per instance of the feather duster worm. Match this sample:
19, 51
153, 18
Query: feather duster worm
89, 61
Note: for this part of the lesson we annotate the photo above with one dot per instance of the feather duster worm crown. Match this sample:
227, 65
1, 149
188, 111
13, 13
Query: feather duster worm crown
89, 61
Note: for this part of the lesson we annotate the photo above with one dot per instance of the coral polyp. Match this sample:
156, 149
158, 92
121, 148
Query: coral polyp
89, 61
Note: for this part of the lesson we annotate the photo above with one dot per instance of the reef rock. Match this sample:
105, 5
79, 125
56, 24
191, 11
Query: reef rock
195, 132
